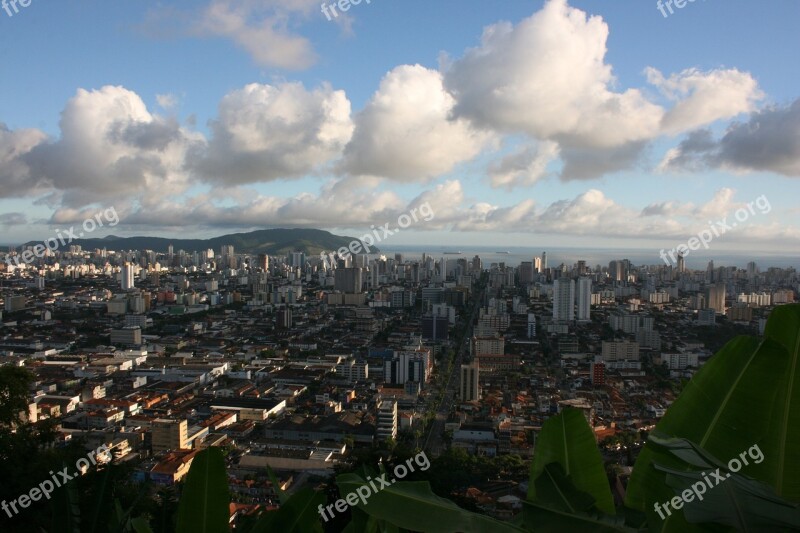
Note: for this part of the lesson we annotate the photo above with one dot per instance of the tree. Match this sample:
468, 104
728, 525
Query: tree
15, 384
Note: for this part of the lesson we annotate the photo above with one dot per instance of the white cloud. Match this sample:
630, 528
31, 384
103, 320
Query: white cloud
523, 167
266, 132
265, 29
14, 172
547, 77
768, 142
167, 101
111, 146
406, 133
702, 98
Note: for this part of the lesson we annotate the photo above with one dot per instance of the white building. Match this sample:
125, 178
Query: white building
564, 299
127, 277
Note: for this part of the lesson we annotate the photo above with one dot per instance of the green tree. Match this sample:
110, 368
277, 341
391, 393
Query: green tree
15, 383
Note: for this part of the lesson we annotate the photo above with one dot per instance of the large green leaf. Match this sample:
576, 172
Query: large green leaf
732, 499
66, 509
568, 440
205, 502
276, 485
413, 505
560, 505
748, 394
298, 514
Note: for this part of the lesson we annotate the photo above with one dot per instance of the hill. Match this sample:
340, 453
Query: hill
268, 241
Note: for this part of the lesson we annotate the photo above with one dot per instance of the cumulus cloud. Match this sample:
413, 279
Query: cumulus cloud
261, 28
704, 97
590, 163
111, 146
167, 101
768, 142
266, 132
14, 171
523, 167
406, 132
547, 77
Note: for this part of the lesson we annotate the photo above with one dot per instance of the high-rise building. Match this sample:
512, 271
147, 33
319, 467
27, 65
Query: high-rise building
387, 420
284, 317
469, 387
297, 260
616, 271
525, 272
127, 277
263, 262
348, 280
584, 299
597, 372
710, 272
544, 261
407, 366
681, 263
169, 435
477, 264
564, 299
435, 327
716, 298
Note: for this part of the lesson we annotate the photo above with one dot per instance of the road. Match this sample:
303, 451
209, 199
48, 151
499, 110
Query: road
433, 442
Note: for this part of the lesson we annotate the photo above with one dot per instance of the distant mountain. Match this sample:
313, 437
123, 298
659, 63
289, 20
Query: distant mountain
268, 241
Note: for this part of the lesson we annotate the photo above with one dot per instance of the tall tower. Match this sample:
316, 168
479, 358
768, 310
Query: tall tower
469, 388
564, 299
126, 278
584, 299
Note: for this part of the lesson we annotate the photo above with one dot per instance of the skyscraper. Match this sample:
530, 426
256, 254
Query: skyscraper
348, 280
716, 298
564, 299
544, 261
469, 388
263, 262
584, 299
126, 278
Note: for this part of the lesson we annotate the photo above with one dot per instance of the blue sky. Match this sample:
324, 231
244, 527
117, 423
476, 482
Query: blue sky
522, 123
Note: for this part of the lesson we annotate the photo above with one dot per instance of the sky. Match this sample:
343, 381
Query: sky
516, 123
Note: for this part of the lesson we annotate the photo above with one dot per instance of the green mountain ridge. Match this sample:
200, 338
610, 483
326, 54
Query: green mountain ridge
269, 241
